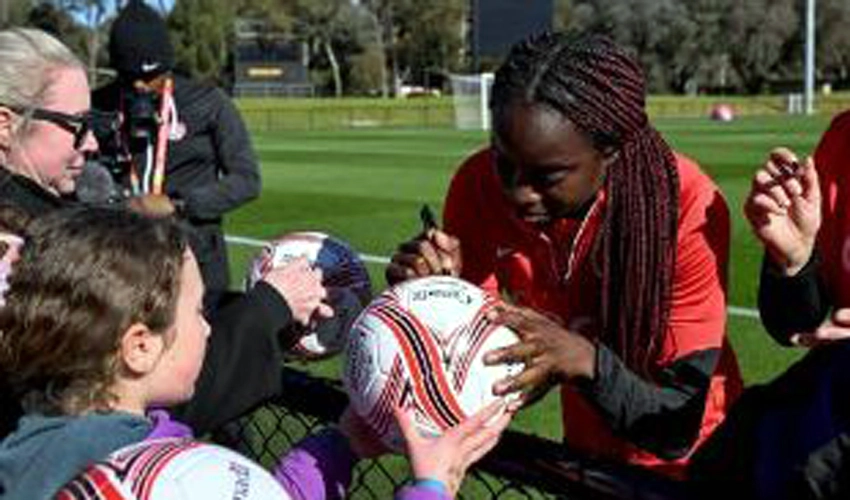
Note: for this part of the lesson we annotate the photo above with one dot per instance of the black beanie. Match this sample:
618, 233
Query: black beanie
138, 42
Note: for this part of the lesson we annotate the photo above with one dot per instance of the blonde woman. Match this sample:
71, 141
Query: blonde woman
45, 135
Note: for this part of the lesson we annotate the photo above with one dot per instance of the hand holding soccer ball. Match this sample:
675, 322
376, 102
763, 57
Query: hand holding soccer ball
301, 287
447, 457
550, 352
325, 284
443, 458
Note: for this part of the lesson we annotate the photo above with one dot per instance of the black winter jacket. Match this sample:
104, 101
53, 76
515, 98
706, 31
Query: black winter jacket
211, 166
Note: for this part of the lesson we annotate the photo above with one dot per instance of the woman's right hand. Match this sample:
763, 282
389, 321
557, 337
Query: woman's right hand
431, 252
301, 287
784, 209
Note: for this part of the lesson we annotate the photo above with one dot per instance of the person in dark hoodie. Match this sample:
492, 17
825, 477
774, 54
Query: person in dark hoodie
96, 350
209, 164
45, 137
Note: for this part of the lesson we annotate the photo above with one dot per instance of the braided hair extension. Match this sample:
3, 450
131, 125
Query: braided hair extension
600, 88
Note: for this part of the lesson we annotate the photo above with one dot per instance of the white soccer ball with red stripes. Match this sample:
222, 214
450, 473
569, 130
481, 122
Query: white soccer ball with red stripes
174, 469
420, 345
343, 273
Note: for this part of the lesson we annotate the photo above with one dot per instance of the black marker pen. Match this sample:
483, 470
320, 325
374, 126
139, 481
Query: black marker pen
429, 222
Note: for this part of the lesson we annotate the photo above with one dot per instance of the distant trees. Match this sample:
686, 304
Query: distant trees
761, 35
405, 40
327, 27
201, 32
834, 44
690, 44
661, 32
369, 46
14, 12
430, 40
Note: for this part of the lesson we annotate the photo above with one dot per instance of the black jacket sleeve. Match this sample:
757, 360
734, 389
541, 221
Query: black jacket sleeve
237, 167
794, 304
242, 366
789, 435
662, 417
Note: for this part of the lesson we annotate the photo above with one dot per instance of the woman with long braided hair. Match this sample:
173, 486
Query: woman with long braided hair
609, 249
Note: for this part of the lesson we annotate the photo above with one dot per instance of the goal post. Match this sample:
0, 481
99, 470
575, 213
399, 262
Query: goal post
471, 100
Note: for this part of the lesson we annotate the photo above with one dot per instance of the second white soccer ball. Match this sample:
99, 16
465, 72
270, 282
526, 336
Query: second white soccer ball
174, 469
343, 273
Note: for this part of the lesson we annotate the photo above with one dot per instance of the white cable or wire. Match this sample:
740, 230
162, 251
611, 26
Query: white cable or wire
743, 312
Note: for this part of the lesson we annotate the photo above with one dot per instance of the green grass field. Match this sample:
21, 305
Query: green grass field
366, 186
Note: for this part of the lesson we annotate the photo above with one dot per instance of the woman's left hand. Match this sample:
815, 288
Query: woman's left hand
549, 351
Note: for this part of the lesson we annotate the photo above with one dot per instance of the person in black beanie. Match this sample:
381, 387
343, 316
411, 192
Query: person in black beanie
139, 45
209, 165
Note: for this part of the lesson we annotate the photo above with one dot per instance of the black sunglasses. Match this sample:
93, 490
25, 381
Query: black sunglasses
79, 125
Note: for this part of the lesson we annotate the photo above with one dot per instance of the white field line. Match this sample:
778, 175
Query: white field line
744, 312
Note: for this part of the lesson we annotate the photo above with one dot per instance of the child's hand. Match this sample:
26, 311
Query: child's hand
446, 458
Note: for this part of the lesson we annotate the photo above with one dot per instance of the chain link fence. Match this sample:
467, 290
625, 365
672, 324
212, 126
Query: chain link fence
521, 467
276, 115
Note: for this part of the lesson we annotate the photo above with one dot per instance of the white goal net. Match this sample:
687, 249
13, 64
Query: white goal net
471, 97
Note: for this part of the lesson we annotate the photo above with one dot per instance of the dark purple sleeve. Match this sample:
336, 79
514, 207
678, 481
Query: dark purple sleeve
420, 492
318, 467
165, 427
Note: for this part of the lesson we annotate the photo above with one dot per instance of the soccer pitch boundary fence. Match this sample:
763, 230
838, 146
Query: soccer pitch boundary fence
282, 114
744, 312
